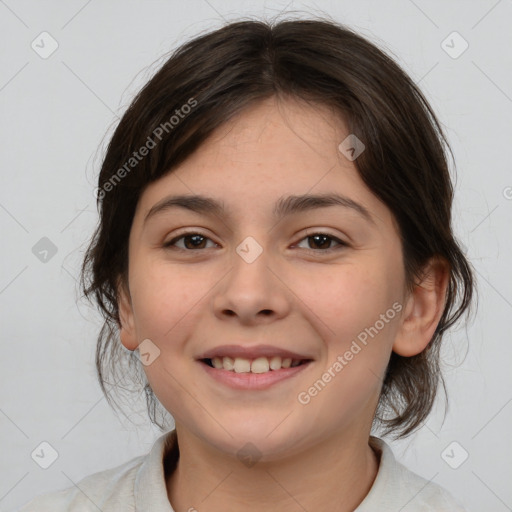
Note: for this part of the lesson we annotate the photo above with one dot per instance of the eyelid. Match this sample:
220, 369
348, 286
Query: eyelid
183, 234
323, 232
309, 233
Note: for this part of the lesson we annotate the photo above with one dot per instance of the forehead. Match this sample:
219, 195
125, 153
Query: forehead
277, 131
272, 149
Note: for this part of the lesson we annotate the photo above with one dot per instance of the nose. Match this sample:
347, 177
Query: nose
253, 291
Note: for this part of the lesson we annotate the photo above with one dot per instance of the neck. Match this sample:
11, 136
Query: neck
334, 475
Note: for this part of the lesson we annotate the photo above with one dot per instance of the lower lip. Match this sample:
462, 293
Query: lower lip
254, 381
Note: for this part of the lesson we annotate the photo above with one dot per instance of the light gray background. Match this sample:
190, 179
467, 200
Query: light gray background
55, 115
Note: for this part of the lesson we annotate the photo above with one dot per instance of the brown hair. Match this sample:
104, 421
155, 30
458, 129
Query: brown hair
404, 164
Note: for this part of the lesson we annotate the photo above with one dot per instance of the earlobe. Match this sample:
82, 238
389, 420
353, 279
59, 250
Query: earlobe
127, 332
423, 310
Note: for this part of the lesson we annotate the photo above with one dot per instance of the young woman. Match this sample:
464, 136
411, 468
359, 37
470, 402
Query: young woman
275, 242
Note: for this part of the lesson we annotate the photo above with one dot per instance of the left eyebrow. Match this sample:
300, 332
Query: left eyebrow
284, 205
294, 204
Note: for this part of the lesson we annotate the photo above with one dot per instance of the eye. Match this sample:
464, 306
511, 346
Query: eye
322, 241
191, 241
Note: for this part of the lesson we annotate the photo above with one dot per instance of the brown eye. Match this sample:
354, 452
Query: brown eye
318, 242
321, 242
191, 241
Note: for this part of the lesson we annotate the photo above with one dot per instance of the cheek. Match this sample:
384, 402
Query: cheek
167, 305
357, 341
347, 298
165, 300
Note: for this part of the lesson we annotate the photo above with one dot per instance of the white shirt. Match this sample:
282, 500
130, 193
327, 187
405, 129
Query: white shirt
140, 485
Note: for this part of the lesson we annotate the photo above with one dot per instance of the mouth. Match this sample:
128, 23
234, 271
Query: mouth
252, 368
258, 365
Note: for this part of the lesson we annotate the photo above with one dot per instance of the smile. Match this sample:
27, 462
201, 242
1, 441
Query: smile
253, 375
258, 365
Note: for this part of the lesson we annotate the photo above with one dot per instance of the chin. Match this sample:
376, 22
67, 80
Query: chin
251, 440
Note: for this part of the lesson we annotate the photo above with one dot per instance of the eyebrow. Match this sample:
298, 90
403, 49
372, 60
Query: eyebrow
284, 205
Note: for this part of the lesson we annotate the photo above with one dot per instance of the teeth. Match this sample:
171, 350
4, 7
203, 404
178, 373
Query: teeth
242, 365
217, 362
258, 365
228, 363
275, 363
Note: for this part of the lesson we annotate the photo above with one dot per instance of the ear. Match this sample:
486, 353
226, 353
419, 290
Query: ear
127, 331
424, 308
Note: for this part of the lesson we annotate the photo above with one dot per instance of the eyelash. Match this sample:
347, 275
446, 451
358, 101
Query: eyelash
341, 243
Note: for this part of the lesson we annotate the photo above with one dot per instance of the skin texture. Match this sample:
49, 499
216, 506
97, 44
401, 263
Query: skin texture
295, 295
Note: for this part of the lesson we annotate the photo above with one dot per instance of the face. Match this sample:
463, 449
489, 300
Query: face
253, 285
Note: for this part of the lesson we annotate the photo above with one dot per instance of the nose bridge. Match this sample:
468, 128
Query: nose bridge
250, 267
250, 250
251, 287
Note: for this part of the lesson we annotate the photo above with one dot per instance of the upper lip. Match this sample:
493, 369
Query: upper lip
251, 352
